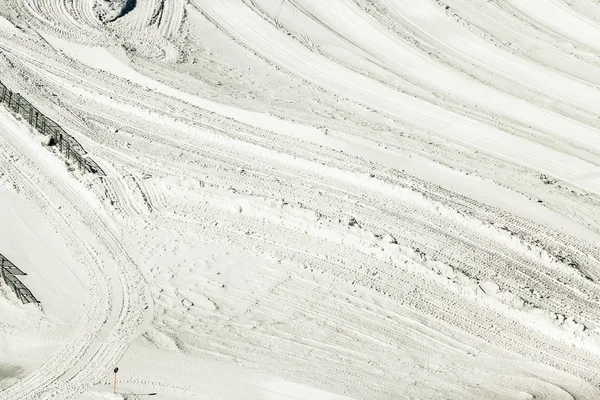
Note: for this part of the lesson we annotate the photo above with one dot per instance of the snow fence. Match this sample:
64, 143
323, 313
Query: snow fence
67, 145
9, 272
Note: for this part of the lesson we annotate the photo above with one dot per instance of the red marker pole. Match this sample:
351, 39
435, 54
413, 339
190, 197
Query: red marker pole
115, 382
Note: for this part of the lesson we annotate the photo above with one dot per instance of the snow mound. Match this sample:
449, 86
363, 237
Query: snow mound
110, 10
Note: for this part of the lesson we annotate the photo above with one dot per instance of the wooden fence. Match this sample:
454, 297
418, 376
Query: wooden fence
9, 272
67, 145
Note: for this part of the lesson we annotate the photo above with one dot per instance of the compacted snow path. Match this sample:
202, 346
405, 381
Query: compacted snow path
117, 298
314, 199
246, 26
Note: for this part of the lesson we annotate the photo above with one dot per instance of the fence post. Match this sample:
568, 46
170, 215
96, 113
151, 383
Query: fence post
17, 101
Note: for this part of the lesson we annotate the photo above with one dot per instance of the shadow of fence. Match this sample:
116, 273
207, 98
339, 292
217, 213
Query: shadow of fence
9, 272
67, 145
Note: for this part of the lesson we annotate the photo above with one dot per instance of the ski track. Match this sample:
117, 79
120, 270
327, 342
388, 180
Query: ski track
378, 284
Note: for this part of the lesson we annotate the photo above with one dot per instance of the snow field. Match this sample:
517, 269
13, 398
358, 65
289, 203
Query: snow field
427, 231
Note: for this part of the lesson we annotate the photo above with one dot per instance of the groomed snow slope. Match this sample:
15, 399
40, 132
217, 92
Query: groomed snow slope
306, 199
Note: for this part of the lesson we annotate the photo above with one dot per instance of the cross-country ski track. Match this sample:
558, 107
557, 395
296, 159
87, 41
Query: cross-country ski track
303, 199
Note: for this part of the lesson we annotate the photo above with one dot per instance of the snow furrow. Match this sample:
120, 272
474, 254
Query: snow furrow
125, 312
429, 231
246, 27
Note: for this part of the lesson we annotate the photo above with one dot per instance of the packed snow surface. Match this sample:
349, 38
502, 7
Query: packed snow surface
304, 199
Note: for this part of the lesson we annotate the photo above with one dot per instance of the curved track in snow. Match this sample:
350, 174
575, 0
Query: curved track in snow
382, 280
118, 297
246, 26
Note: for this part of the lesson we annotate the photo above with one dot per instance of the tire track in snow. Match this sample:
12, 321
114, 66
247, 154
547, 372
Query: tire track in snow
445, 35
502, 108
515, 32
343, 263
153, 139
253, 32
95, 347
212, 122
563, 20
439, 244
75, 21
310, 252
